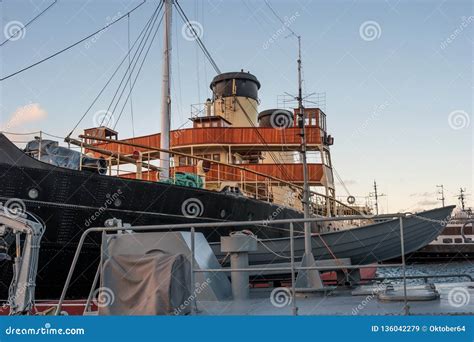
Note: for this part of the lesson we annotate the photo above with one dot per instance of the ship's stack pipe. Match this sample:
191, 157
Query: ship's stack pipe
235, 97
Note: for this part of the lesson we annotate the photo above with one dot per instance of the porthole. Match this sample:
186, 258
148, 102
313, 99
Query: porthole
33, 193
223, 213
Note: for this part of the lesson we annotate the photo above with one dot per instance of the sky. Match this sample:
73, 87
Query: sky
396, 76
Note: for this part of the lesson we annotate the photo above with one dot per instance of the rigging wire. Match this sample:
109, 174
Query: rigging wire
112, 76
140, 68
128, 71
198, 39
178, 78
130, 83
13, 35
280, 19
70, 46
341, 182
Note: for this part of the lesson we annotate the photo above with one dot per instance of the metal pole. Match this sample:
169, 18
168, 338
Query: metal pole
39, 145
91, 292
193, 251
402, 243
166, 93
293, 290
308, 278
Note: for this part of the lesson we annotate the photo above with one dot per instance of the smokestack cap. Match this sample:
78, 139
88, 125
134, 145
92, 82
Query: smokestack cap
247, 85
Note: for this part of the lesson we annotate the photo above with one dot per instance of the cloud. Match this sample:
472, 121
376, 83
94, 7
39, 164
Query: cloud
24, 115
427, 202
422, 194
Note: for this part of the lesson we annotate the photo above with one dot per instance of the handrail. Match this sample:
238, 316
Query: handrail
192, 226
154, 148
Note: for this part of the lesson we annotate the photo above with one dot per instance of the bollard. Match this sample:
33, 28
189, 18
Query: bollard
239, 246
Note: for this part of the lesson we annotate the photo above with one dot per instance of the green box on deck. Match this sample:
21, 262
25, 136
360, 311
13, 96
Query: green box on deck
186, 179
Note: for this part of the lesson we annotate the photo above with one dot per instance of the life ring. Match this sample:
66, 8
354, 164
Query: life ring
351, 199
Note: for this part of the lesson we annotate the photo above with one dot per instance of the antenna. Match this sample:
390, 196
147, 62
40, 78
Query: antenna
441, 192
306, 278
462, 197
376, 195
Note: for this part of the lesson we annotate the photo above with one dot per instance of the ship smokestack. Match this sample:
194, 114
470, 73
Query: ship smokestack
235, 97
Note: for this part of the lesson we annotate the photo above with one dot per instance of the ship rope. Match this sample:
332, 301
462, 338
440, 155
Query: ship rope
72, 45
23, 28
127, 76
139, 38
196, 36
136, 76
423, 218
130, 83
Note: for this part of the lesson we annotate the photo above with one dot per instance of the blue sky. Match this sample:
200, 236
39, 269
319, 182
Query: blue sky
399, 102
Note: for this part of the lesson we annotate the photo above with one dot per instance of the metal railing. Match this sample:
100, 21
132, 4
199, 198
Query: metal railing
292, 268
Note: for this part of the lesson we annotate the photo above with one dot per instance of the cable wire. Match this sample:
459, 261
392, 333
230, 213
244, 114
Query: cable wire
112, 76
198, 39
128, 72
28, 23
70, 46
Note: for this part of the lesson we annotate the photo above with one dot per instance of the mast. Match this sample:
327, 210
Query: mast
461, 198
308, 279
166, 93
376, 198
441, 192
302, 122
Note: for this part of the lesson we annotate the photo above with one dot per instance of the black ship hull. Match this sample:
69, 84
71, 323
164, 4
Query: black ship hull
70, 201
